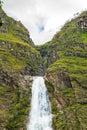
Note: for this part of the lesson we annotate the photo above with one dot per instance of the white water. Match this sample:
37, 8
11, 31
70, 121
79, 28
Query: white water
40, 115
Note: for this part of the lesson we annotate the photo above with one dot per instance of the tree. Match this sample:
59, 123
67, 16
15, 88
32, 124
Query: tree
1, 2
0, 22
0, 18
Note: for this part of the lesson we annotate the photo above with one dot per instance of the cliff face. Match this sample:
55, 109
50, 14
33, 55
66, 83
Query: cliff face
19, 60
64, 61
66, 74
17, 49
69, 41
67, 85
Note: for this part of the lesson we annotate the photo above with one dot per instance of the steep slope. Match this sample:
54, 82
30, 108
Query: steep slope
15, 28
17, 47
70, 41
19, 60
65, 63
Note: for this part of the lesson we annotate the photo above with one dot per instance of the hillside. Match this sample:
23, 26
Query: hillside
65, 64
18, 61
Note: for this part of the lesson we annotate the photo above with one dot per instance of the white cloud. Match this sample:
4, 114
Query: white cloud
49, 14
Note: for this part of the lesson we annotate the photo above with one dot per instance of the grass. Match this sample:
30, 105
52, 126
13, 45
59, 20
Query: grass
11, 38
16, 55
72, 63
10, 62
75, 67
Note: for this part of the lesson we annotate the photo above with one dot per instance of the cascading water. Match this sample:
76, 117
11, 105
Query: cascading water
40, 115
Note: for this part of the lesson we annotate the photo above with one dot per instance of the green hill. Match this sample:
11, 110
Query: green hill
65, 64
18, 61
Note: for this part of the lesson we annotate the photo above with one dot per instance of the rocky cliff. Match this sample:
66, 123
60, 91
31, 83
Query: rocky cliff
65, 60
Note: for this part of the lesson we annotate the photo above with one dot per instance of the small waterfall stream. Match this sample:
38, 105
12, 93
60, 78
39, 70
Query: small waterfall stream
40, 114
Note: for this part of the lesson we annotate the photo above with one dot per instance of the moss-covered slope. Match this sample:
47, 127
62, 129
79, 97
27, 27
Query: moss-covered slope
17, 49
18, 61
71, 40
67, 77
65, 63
15, 28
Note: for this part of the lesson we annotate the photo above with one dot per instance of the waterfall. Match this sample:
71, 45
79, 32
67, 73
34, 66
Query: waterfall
40, 114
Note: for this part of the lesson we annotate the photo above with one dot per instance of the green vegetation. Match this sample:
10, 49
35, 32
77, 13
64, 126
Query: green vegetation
18, 111
66, 72
18, 59
16, 108
17, 51
76, 68
69, 104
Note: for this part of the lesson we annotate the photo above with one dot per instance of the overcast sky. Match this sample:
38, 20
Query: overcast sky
43, 18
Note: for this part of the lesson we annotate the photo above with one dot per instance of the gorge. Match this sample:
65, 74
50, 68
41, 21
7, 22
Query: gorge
62, 61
